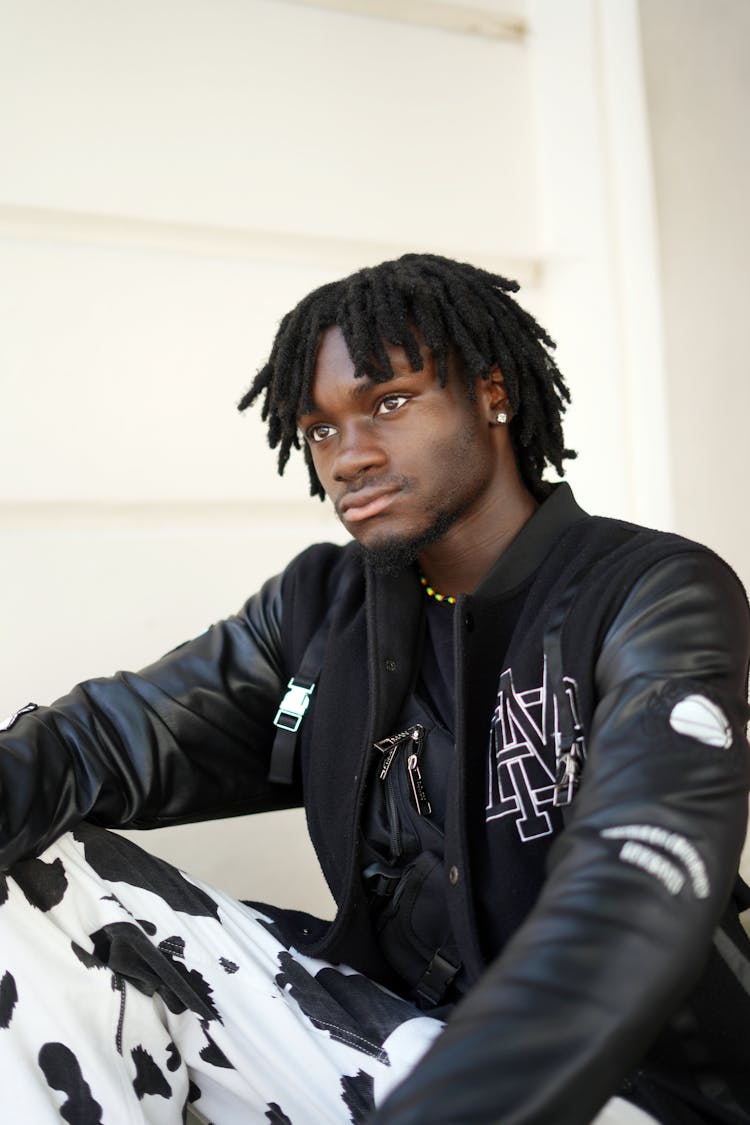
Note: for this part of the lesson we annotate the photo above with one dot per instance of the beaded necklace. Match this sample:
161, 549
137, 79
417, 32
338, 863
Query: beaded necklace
432, 593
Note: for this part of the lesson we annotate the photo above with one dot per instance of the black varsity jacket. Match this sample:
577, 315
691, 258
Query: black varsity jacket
627, 671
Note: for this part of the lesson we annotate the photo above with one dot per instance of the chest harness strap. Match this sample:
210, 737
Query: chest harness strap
570, 744
293, 706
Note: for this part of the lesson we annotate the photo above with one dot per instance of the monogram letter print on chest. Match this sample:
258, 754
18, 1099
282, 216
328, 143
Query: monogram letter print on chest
537, 750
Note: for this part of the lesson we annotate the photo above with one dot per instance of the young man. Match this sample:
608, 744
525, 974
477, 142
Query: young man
518, 733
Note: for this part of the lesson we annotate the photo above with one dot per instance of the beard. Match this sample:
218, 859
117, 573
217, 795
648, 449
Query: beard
392, 556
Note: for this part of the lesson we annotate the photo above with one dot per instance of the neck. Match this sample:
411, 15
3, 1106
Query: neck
468, 551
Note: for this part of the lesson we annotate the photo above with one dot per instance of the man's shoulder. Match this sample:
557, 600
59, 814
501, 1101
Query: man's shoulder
325, 583
602, 552
315, 579
322, 563
619, 560
627, 536
580, 538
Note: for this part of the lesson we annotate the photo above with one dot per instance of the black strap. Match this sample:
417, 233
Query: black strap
380, 879
570, 751
297, 699
436, 980
741, 894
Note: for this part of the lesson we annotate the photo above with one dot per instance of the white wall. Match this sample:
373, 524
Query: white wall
698, 87
698, 90
173, 176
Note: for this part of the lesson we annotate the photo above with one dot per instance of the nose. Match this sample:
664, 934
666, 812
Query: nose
358, 453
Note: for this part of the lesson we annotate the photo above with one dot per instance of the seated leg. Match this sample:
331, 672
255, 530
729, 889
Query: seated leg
128, 989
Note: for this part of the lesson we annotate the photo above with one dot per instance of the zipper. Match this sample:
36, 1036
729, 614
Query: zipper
411, 742
424, 808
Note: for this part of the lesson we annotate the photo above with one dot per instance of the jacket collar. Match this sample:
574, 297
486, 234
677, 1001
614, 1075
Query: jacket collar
533, 543
516, 564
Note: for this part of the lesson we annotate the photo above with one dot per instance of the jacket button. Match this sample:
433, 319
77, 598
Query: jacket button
453, 875
390, 665
469, 622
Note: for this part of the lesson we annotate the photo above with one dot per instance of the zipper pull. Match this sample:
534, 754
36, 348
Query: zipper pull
389, 753
388, 748
424, 808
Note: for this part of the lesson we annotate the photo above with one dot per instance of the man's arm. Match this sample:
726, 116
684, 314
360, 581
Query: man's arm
637, 882
187, 738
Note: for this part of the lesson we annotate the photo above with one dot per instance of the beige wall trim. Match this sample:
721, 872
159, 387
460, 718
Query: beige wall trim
166, 516
636, 267
461, 18
284, 248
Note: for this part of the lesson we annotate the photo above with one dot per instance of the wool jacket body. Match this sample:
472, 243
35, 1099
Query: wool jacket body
625, 637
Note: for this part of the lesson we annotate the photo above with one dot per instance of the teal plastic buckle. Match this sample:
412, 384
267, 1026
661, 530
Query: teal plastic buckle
293, 706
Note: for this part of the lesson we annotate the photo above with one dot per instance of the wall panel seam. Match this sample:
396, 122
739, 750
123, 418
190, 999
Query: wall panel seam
277, 247
462, 19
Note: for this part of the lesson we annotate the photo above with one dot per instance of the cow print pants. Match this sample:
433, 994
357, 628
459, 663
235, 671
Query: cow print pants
129, 991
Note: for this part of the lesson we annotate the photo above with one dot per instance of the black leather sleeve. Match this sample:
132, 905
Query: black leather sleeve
187, 738
638, 879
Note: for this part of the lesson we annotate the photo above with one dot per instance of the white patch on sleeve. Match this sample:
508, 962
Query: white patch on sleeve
6, 724
678, 847
655, 864
699, 718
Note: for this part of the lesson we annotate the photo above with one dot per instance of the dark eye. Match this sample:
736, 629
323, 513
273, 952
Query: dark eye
319, 432
391, 403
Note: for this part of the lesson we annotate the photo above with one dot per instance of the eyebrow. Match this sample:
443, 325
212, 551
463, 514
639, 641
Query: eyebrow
363, 384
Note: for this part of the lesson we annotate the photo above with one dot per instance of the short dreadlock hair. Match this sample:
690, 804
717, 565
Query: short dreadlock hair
452, 307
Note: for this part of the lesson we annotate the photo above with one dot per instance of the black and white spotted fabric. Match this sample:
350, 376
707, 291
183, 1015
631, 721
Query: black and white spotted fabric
129, 991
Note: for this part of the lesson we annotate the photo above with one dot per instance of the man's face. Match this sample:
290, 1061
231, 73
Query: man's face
402, 461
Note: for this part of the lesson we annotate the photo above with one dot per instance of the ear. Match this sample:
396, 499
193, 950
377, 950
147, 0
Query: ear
494, 398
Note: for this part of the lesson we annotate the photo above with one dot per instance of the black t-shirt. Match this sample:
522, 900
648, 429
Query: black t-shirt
405, 815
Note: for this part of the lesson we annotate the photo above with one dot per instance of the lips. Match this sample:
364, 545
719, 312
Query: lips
365, 503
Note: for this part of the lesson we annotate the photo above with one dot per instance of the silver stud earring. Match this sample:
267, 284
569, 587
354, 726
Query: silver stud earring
501, 418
